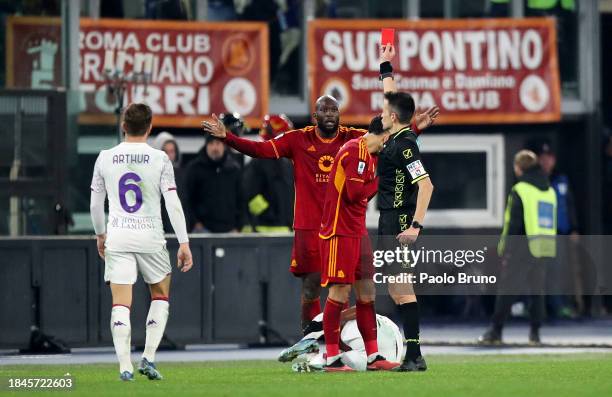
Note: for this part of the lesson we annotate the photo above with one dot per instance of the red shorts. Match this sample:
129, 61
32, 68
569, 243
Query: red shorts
305, 256
346, 259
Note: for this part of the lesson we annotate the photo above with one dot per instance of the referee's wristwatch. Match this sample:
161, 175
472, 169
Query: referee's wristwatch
416, 225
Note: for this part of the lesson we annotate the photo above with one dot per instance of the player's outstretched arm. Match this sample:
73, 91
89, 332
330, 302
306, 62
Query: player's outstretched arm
272, 149
425, 120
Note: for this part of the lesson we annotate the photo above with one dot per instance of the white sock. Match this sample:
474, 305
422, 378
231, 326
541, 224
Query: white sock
156, 324
330, 360
371, 357
122, 336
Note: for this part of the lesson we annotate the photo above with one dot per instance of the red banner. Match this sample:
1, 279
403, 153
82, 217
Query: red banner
475, 70
194, 68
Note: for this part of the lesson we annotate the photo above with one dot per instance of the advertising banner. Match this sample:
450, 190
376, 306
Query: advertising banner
475, 70
184, 70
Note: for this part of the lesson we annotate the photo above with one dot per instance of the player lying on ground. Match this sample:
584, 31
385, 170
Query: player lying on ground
308, 354
135, 176
312, 150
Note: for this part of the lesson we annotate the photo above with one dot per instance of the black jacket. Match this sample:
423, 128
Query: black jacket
273, 179
214, 193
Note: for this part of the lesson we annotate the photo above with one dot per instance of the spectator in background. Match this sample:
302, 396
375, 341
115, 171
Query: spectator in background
214, 190
566, 210
264, 11
221, 10
268, 184
168, 9
111, 9
567, 225
290, 62
165, 142
326, 9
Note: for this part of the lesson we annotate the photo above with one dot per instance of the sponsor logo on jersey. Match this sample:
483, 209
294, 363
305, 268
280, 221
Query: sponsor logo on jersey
407, 153
325, 163
311, 149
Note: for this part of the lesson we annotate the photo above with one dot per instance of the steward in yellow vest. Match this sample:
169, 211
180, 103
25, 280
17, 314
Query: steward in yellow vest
527, 244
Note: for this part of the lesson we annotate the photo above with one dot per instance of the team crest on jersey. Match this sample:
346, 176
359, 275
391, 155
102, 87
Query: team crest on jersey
361, 167
407, 153
416, 169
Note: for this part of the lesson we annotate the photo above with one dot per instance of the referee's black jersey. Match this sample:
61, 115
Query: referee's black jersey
399, 169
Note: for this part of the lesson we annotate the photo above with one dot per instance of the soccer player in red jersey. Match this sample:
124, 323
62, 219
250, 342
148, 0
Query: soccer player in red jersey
312, 150
345, 246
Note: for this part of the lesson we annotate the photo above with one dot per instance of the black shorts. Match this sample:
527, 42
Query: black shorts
393, 222
390, 224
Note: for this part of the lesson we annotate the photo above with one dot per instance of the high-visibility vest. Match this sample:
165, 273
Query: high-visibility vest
544, 4
540, 218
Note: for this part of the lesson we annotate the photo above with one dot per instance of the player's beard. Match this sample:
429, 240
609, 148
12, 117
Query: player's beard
328, 129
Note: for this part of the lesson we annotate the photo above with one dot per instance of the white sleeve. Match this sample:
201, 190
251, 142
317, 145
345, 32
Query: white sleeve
98, 195
176, 215
96, 206
167, 182
97, 181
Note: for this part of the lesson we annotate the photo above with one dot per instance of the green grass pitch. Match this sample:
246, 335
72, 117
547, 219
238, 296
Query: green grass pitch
448, 376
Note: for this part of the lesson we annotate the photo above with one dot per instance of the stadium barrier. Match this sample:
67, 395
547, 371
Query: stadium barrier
239, 284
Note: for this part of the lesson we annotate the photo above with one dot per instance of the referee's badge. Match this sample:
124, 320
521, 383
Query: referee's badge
416, 169
361, 167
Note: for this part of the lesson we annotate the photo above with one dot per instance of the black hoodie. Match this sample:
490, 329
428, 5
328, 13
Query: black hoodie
214, 193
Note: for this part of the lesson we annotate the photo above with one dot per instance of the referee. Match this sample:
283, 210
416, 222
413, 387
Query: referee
404, 192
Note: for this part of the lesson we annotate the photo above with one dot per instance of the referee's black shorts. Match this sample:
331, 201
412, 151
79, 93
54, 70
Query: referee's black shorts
393, 222
390, 224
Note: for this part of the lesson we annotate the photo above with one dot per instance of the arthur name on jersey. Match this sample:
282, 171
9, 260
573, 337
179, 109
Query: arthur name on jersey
131, 158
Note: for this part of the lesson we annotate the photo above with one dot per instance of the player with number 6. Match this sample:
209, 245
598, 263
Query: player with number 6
135, 176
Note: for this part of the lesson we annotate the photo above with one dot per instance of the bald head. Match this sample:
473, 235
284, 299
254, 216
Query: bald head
327, 115
326, 100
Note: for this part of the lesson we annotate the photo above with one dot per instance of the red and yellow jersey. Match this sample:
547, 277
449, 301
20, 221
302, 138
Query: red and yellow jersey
313, 159
352, 183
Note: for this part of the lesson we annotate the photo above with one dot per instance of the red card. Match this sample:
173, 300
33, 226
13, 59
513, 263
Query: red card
387, 36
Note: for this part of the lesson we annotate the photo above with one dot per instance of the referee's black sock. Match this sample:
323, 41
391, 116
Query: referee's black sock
410, 318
